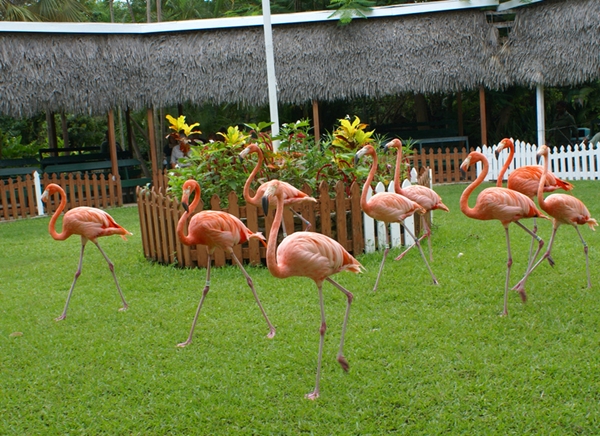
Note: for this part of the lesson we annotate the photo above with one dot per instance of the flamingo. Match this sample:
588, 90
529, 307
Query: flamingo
89, 223
501, 204
292, 196
389, 208
526, 179
427, 198
312, 255
564, 209
215, 229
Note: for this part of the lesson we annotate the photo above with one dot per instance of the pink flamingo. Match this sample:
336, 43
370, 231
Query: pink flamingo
89, 223
564, 209
292, 196
501, 204
312, 255
388, 207
526, 179
215, 229
427, 198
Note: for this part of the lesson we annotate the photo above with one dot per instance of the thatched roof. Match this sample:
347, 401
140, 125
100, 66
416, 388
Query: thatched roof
553, 43
556, 43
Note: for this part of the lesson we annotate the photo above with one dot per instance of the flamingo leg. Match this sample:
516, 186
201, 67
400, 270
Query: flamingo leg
340, 357
534, 230
204, 293
418, 244
426, 234
587, 260
251, 284
111, 266
508, 265
304, 220
315, 393
385, 253
77, 274
520, 287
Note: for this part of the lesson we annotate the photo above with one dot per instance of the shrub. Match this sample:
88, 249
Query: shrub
299, 159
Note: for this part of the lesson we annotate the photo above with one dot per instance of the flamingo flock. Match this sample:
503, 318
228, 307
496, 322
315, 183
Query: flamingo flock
318, 257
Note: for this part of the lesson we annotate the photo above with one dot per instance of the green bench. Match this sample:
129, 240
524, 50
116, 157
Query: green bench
127, 170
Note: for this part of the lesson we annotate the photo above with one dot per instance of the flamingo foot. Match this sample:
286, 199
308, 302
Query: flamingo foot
504, 313
60, 318
271, 334
313, 395
401, 256
343, 362
523, 295
184, 344
550, 260
124, 308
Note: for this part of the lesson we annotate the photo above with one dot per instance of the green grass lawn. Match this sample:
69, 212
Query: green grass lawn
424, 359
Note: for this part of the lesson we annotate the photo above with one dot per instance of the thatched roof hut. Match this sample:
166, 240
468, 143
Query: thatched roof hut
554, 42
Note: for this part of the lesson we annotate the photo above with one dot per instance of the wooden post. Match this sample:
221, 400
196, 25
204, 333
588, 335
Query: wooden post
316, 123
153, 158
112, 146
482, 113
51, 123
112, 149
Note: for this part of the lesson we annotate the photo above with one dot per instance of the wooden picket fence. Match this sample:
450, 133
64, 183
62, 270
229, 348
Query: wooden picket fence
339, 217
20, 197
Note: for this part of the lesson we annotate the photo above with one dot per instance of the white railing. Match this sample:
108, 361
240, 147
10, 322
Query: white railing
578, 162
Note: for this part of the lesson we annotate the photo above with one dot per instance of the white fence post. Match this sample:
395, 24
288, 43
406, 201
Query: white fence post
38, 193
369, 228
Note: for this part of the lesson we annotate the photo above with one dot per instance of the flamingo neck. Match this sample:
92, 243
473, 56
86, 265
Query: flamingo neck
397, 185
52, 225
363, 197
464, 198
253, 200
275, 269
509, 159
186, 239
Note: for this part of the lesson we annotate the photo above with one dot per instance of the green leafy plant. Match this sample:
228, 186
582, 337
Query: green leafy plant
349, 9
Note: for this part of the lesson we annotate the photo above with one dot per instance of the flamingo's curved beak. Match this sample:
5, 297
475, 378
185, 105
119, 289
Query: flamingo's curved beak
360, 153
185, 200
466, 164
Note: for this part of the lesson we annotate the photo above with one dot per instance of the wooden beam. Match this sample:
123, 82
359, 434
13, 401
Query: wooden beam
482, 114
112, 149
316, 122
152, 144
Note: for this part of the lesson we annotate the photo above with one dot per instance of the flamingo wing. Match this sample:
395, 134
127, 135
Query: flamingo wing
425, 197
505, 205
314, 255
218, 229
391, 208
567, 209
91, 223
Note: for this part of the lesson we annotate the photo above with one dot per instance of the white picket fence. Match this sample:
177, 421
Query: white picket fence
578, 162
374, 228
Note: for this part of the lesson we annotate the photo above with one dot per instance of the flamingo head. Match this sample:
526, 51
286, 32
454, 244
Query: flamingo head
542, 151
251, 148
367, 149
188, 187
272, 190
394, 143
505, 143
51, 189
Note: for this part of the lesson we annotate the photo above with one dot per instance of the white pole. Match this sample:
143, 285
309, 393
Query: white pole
38, 193
541, 124
272, 80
